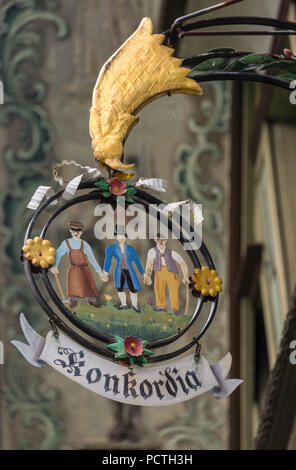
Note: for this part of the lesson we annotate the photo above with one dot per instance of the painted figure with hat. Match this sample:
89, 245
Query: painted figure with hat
125, 277
80, 281
164, 262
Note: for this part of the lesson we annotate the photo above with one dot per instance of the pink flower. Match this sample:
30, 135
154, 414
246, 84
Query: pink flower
133, 346
117, 186
288, 52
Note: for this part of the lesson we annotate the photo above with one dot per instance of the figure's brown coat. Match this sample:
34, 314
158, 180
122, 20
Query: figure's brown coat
80, 281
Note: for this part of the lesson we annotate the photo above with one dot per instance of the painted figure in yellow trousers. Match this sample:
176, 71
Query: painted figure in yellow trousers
165, 263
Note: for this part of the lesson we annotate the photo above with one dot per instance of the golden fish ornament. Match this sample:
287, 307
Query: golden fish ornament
140, 71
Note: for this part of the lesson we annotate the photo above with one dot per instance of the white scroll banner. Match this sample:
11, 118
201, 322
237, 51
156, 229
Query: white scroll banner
165, 384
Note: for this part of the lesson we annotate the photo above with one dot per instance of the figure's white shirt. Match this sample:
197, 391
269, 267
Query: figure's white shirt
75, 245
152, 255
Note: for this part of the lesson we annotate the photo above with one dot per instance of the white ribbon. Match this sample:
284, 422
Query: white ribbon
36, 343
88, 175
165, 384
71, 188
173, 206
156, 184
197, 215
91, 174
38, 196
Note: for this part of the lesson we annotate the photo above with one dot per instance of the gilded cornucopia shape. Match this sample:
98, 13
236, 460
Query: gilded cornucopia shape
141, 70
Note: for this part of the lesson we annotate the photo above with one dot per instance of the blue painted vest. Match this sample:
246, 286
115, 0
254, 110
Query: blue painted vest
170, 262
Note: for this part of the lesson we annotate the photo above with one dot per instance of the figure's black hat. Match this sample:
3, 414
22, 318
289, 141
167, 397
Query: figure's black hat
75, 225
119, 230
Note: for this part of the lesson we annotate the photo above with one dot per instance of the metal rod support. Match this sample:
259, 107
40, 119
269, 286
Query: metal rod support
204, 11
242, 76
238, 21
274, 32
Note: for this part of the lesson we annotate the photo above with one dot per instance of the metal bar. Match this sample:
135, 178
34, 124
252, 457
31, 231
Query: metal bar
274, 32
198, 59
170, 10
204, 11
238, 21
242, 76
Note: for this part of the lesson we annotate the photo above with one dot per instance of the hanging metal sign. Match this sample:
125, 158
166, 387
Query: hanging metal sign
120, 321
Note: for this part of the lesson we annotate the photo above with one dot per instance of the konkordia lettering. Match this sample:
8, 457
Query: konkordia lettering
127, 383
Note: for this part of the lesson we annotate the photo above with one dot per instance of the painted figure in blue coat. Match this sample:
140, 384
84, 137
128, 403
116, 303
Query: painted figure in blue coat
125, 276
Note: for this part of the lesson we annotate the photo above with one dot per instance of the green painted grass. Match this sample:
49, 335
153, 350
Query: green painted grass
148, 325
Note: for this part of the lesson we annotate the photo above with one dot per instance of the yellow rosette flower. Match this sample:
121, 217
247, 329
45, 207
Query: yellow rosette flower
39, 252
207, 281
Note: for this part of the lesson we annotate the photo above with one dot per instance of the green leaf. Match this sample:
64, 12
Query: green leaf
144, 342
119, 338
222, 49
234, 66
257, 59
139, 363
114, 346
102, 184
118, 346
131, 190
132, 359
250, 60
142, 359
210, 64
106, 194
288, 65
122, 351
121, 355
287, 76
129, 199
147, 352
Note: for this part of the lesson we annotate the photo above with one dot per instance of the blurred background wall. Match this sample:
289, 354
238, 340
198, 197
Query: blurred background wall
51, 54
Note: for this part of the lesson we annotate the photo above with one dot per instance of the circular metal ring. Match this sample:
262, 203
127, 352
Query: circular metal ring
96, 195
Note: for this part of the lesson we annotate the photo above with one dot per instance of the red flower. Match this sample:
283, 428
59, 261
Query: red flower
117, 186
288, 52
133, 346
